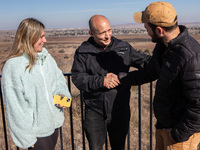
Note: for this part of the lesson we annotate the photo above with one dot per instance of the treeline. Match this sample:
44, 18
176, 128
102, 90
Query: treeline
116, 31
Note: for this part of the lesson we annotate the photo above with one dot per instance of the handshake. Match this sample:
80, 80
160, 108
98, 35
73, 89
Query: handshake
111, 81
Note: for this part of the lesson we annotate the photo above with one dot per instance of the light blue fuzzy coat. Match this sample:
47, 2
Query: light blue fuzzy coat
28, 98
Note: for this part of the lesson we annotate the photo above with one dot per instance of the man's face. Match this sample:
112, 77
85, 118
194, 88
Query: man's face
152, 34
102, 33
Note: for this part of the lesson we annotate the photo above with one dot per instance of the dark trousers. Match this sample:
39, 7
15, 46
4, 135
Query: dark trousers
46, 143
96, 129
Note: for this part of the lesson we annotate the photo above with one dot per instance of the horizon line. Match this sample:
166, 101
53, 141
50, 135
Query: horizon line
114, 25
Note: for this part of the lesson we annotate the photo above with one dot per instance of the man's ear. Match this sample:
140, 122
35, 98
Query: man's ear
159, 31
90, 32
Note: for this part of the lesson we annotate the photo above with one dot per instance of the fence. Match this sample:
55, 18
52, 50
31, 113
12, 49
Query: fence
68, 75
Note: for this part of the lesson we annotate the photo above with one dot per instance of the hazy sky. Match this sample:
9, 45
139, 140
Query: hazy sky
76, 13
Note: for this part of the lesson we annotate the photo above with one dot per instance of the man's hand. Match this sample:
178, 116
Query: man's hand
111, 81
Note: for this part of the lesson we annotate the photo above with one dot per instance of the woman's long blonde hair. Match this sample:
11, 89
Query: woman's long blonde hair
28, 33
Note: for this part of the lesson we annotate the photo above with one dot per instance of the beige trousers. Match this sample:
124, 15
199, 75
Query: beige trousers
164, 141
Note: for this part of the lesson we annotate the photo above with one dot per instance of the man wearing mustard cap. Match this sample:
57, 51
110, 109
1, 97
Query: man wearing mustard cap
175, 65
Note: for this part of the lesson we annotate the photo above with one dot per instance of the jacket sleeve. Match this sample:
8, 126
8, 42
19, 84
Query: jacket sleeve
148, 71
19, 114
137, 59
190, 121
81, 78
61, 83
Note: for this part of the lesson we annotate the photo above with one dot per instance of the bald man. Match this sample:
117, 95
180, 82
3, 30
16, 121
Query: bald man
96, 65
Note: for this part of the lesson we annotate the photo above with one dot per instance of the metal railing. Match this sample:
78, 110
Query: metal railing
68, 75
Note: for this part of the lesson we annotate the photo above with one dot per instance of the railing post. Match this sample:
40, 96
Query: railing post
61, 139
128, 139
139, 115
3, 117
71, 116
151, 112
106, 143
83, 135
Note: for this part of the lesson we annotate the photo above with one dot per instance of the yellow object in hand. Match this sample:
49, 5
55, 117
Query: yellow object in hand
65, 101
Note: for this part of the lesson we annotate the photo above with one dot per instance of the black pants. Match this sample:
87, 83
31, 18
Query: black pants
46, 143
96, 129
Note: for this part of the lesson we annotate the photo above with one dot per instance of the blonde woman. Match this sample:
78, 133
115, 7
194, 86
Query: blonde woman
30, 79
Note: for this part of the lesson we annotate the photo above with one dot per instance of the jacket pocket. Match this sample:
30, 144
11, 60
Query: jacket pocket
169, 72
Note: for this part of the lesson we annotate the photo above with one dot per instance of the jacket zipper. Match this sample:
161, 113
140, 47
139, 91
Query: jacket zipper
47, 95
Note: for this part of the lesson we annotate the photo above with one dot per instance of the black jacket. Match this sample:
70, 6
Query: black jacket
90, 66
177, 96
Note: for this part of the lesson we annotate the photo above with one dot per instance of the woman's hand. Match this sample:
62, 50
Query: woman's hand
58, 105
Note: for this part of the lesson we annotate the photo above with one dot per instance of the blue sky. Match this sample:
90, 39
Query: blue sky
76, 13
